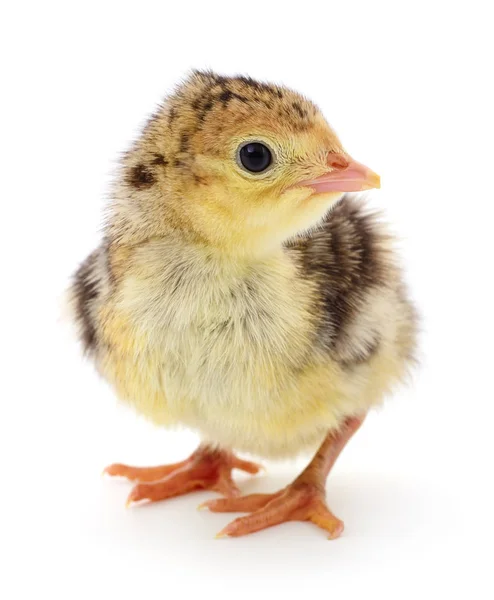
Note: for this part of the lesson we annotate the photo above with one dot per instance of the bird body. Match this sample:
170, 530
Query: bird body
235, 350
246, 307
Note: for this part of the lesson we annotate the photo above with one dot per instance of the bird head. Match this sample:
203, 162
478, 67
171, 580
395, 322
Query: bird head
241, 165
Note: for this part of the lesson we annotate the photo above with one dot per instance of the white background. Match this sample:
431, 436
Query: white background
408, 88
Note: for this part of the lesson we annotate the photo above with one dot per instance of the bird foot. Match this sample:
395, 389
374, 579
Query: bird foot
299, 501
205, 469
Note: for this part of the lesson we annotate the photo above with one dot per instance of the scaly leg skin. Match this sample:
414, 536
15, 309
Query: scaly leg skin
206, 469
302, 500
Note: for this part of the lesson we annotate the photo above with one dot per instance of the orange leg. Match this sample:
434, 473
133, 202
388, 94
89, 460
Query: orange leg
207, 468
302, 500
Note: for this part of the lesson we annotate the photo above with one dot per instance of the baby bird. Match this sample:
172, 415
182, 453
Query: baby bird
240, 291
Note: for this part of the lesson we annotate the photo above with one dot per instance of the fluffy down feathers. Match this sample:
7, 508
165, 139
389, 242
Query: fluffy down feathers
217, 303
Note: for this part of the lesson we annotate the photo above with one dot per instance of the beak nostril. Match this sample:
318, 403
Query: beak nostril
337, 161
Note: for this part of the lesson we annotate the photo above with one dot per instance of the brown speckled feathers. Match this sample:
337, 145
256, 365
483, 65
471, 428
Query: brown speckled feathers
351, 257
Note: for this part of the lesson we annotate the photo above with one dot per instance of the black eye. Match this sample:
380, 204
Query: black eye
255, 157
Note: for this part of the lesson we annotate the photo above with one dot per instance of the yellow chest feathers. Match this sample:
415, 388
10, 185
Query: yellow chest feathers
193, 336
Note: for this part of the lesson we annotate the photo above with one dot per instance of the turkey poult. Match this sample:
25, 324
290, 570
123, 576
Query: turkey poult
240, 292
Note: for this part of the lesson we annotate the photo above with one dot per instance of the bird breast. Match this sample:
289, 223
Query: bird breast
221, 333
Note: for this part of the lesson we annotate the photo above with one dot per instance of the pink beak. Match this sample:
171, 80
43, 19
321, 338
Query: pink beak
347, 175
